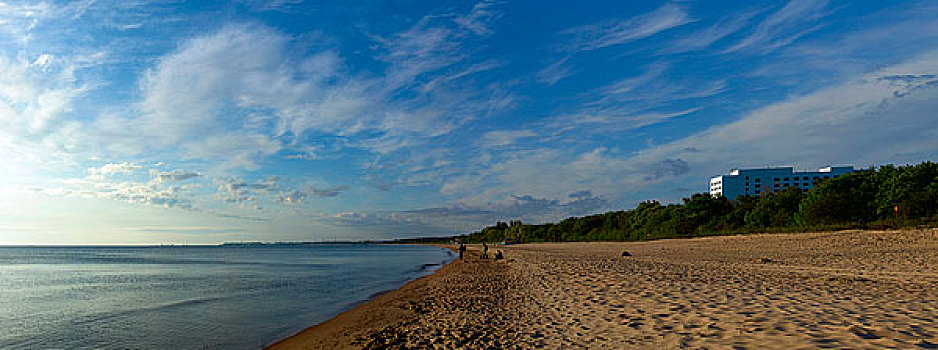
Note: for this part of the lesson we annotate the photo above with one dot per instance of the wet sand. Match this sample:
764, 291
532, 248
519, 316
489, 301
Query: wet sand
856, 289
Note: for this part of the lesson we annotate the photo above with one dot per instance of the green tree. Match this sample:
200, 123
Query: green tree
846, 199
775, 210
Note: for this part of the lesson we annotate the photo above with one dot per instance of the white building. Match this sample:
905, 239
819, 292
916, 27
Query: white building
761, 182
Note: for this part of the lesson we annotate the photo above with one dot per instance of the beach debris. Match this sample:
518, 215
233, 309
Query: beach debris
767, 261
626, 253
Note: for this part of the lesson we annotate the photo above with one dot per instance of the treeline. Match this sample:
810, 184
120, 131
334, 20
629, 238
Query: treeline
886, 197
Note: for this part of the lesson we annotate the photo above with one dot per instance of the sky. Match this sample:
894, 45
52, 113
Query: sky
145, 122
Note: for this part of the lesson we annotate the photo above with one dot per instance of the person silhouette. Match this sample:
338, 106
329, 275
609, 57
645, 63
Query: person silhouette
485, 251
462, 249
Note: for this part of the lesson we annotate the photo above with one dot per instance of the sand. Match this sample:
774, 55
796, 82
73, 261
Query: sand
856, 289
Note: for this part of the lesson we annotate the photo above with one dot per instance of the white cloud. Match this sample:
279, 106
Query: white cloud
628, 85
244, 86
605, 123
501, 138
796, 19
209, 84
43, 61
300, 196
462, 217
704, 38
232, 150
178, 175
306, 152
329, 191
479, 18
18, 20
272, 5
544, 172
37, 94
115, 168
634, 102
555, 72
236, 65
236, 190
615, 32
880, 117
421, 49
98, 186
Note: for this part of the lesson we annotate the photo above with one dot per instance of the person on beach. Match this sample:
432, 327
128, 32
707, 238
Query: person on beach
462, 249
498, 255
485, 251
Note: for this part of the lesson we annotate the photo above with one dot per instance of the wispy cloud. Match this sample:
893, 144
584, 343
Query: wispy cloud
301, 195
501, 138
705, 37
457, 115
796, 19
480, 18
620, 31
178, 175
652, 89
117, 181
465, 217
634, 102
885, 113
236, 190
18, 20
115, 168
604, 123
555, 72
272, 5
37, 93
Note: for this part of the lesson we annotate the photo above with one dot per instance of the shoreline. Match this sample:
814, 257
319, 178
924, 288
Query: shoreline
357, 311
847, 289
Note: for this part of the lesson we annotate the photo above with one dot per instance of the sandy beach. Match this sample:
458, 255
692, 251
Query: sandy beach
855, 289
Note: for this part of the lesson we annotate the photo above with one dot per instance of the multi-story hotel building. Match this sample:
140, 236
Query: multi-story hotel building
760, 182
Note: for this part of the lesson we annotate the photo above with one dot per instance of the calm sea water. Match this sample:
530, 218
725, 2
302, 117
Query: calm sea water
190, 297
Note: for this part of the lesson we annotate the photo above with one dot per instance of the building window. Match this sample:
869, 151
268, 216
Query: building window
776, 179
747, 177
796, 178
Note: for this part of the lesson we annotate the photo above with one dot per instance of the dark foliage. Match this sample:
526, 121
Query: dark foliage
879, 198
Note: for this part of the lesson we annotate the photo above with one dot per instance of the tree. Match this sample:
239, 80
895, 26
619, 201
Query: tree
846, 199
776, 209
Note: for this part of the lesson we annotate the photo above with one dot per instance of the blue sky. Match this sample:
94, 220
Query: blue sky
126, 122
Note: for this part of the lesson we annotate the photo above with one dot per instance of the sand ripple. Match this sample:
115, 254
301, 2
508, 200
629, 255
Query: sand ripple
820, 290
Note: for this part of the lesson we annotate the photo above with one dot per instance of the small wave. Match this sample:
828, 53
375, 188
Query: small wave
159, 307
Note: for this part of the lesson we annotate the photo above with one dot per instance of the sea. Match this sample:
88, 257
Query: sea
208, 297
